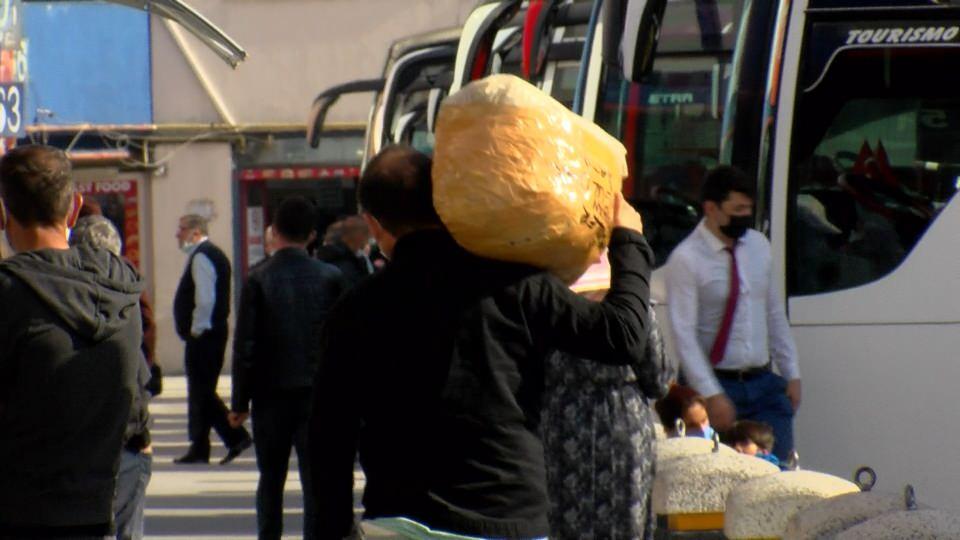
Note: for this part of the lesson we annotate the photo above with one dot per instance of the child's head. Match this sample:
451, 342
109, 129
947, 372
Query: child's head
694, 412
682, 403
751, 438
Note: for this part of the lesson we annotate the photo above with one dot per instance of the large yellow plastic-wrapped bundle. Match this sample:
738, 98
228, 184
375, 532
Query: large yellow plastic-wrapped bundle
518, 177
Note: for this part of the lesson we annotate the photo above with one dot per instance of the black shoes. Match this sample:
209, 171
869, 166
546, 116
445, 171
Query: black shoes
192, 457
236, 450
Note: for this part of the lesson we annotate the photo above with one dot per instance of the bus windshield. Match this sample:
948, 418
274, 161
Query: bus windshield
671, 124
406, 105
876, 157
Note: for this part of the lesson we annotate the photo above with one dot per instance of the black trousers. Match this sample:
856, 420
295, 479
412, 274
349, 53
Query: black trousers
279, 424
205, 409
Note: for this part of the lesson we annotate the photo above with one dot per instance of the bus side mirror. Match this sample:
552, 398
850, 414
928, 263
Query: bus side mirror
318, 116
642, 22
321, 105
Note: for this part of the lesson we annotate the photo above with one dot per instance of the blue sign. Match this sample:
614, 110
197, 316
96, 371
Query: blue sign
11, 109
89, 64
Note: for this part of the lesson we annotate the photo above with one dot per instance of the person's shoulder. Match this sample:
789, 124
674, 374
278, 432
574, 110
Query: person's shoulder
755, 238
7, 280
326, 269
528, 280
371, 295
103, 262
687, 251
210, 249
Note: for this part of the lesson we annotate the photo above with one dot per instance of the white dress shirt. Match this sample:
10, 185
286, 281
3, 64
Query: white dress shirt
698, 284
205, 291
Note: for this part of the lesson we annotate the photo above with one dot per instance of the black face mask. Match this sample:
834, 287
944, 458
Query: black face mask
737, 227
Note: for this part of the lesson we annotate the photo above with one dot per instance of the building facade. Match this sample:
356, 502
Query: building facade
158, 126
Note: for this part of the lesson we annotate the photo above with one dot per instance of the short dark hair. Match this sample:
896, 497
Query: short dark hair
759, 433
296, 218
396, 188
721, 181
36, 184
670, 408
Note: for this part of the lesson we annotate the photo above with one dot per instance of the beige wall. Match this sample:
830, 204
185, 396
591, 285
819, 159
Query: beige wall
198, 171
296, 49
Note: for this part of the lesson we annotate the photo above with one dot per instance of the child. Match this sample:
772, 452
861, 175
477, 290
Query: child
683, 403
754, 439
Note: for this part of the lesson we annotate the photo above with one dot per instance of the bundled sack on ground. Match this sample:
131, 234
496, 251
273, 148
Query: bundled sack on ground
518, 177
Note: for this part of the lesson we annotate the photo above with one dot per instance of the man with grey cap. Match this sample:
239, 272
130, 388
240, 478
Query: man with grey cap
136, 460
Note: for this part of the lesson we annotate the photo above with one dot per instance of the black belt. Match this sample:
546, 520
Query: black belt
742, 375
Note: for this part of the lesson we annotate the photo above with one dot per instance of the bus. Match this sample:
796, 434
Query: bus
845, 112
416, 77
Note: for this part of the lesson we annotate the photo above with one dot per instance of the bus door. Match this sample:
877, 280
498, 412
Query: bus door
554, 39
672, 122
866, 168
480, 35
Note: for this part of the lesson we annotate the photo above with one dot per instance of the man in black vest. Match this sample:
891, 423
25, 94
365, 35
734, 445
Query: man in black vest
200, 310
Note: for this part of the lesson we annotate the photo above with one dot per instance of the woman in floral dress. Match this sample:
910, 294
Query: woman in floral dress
598, 441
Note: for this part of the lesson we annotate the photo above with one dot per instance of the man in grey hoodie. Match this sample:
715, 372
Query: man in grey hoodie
70, 335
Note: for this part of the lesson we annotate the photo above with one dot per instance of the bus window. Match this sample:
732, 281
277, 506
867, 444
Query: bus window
408, 103
565, 82
873, 161
671, 124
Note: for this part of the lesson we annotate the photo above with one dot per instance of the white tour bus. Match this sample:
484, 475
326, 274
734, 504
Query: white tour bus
848, 115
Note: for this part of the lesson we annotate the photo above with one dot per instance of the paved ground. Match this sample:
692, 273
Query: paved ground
200, 502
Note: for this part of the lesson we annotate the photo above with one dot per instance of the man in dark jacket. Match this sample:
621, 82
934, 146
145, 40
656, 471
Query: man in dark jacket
136, 460
200, 310
69, 358
282, 307
433, 369
347, 249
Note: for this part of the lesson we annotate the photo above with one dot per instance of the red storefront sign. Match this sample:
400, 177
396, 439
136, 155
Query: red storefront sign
298, 173
118, 200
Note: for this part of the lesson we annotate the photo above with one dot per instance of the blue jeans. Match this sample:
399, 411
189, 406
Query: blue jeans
128, 503
764, 399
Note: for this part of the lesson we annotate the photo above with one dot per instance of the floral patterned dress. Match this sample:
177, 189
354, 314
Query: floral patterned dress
598, 440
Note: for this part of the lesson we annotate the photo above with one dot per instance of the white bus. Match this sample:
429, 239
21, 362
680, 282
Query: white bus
847, 113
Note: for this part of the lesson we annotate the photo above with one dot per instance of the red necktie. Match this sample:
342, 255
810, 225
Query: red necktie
723, 336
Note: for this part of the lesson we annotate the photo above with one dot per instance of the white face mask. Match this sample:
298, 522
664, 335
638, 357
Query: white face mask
187, 246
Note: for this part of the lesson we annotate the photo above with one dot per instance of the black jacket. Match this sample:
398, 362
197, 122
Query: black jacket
70, 337
282, 307
354, 267
184, 300
433, 369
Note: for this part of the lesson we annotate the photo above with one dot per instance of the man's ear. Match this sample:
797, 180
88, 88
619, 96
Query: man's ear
75, 210
710, 207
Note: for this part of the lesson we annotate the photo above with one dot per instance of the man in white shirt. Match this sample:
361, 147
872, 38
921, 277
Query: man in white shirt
200, 308
730, 333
